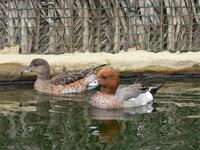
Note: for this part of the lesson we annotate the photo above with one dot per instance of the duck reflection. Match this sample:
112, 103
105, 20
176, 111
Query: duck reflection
106, 130
118, 114
109, 122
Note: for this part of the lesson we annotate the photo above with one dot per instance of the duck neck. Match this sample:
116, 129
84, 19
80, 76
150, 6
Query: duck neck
108, 91
43, 76
43, 73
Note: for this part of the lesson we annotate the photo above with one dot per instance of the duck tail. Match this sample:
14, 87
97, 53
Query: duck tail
153, 90
93, 69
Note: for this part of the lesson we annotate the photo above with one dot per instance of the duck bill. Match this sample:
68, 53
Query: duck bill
93, 85
28, 69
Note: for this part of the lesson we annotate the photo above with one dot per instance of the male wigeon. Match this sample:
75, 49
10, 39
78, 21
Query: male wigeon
64, 83
113, 96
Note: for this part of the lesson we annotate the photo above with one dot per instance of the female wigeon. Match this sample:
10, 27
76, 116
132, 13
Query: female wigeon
112, 96
64, 83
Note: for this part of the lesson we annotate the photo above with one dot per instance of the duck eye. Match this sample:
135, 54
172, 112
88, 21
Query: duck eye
104, 78
36, 65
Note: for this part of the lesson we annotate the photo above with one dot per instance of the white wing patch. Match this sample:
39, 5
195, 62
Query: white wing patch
140, 100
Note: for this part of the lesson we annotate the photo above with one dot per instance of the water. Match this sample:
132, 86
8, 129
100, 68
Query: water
29, 120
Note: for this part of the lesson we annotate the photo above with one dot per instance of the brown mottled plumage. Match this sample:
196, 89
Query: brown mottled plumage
64, 83
72, 76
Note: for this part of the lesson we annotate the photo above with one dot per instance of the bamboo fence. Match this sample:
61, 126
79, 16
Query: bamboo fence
59, 26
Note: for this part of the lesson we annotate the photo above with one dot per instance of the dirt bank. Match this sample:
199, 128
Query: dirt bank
12, 64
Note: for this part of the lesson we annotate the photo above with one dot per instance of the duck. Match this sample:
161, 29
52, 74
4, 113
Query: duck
114, 96
64, 83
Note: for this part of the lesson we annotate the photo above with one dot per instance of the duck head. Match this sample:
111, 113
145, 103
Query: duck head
108, 80
41, 67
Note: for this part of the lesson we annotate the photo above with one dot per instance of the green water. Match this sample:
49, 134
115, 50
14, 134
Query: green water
29, 120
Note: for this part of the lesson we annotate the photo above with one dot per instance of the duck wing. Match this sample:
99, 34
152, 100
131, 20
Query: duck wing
68, 77
131, 91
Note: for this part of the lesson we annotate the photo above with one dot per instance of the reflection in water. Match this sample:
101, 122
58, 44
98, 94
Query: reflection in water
109, 125
106, 130
29, 120
119, 114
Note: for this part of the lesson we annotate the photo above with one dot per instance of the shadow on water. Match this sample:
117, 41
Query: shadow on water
30, 120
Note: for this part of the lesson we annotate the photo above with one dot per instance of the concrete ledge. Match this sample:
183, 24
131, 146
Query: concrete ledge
132, 62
